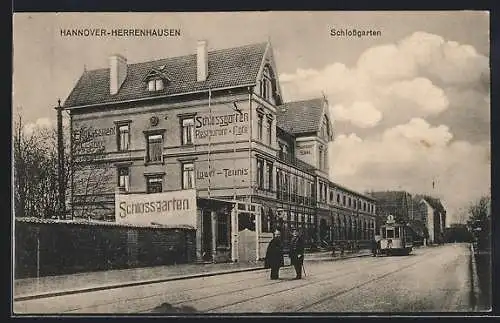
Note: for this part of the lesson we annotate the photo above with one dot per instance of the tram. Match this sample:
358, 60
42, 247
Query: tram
395, 238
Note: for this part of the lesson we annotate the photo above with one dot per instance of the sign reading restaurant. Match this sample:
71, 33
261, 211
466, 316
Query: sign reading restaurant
167, 208
221, 125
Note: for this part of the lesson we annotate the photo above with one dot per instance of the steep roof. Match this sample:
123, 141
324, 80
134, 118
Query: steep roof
230, 67
393, 202
300, 116
435, 203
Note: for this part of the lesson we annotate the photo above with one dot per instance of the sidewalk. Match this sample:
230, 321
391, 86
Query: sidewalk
32, 288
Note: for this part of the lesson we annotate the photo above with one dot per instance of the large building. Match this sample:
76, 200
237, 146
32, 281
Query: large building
430, 210
215, 122
425, 215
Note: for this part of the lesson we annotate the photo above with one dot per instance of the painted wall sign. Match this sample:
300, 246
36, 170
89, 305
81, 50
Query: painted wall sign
222, 173
305, 152
87, 134
221, 125
225, 172
90, 139
167, 208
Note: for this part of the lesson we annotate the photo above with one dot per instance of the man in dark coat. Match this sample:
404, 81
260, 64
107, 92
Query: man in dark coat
297, 253
374, 247
274, 255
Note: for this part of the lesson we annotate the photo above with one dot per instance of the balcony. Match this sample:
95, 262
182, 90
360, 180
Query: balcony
286, 196
294, 161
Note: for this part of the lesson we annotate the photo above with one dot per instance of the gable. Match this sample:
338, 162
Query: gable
269, 63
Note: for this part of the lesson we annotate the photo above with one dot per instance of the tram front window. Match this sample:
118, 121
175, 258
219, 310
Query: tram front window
390, 233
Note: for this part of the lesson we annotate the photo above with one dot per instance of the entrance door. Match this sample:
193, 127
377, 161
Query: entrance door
206, 245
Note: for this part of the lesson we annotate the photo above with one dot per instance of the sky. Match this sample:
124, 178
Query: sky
410, 104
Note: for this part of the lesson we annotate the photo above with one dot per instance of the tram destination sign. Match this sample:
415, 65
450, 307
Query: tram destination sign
167, 208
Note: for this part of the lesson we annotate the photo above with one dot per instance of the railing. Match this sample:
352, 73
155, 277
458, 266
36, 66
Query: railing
294, 161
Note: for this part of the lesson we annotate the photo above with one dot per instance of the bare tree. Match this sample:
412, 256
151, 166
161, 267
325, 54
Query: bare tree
480, 221
89, 175
35, 172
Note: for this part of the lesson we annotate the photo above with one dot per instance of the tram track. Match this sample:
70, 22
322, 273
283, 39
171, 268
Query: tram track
325, 272
357, 286
241, 290
309, 284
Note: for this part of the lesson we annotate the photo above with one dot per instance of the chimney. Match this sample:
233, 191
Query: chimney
117, 72
202, 60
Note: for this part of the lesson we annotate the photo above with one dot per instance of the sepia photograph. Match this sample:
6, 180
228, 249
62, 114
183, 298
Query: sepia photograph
274, 162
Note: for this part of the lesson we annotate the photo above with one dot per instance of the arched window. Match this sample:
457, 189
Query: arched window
266, 83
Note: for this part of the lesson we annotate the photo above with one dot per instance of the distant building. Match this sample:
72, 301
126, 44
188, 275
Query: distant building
425, 215
431, 211
397, 203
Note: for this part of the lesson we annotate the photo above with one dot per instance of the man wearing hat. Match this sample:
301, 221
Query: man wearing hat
297, 252
274, 255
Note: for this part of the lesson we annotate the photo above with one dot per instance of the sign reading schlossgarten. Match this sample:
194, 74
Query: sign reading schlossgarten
167, 208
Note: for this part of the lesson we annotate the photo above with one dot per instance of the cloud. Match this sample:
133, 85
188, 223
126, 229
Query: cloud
419, 131
39, 124
451, 62
386, 62
412, 112
428, 97
362, 114
410, 156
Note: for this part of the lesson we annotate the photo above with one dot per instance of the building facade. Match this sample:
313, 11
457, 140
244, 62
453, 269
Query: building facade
424, 214
215, 122
430, 211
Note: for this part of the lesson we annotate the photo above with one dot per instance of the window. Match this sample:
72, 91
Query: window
155, 148
325, 157
265, 84
269, 176
155, 85
123, 178
302, 191
187, 176
338, 198
222, 229
331, 196
349, 202
343, 199
390, 234
187, 135
123, 137
260, 174
279, 187
320, 158
154, 184
259, 126
364, 206
269, 131
285, 184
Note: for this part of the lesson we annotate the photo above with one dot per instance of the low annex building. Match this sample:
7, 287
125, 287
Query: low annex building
216, 123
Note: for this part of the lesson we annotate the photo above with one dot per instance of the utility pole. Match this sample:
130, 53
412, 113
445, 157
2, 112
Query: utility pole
60, 163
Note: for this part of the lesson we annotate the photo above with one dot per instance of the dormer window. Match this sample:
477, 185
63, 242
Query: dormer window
155, 85
156, 79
